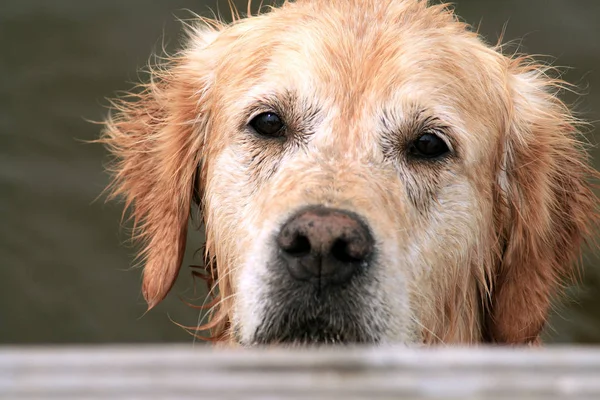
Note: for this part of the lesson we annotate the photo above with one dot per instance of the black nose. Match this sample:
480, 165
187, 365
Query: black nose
325, 245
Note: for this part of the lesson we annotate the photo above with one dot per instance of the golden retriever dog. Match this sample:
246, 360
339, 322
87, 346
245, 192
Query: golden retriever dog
367, 171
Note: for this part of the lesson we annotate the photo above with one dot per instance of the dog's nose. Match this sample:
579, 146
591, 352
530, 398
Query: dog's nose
325, 245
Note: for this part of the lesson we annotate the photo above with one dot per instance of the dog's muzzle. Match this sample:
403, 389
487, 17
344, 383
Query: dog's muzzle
320, 280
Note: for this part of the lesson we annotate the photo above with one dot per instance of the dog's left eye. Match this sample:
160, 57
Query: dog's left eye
429, 145
267, 124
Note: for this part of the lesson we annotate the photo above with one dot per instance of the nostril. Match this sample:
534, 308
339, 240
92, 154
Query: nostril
298, 247
341, 252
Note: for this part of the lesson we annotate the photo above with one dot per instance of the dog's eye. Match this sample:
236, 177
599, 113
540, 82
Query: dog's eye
429, 145
267, 124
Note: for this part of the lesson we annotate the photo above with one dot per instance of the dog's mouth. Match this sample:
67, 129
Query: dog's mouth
308, 332
309, 320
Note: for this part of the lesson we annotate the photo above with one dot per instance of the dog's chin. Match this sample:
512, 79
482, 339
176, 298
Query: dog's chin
308, 333
312, 331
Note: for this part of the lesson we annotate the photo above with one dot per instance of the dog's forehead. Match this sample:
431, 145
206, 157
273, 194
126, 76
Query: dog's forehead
356, 63
357, 53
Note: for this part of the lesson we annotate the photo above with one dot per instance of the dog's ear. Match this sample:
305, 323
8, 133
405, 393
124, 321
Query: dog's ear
546, 205
156, 136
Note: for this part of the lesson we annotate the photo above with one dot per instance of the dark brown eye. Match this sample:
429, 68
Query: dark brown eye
267, 124
429, 145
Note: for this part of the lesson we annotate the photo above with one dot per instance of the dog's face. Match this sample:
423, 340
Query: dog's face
360, 177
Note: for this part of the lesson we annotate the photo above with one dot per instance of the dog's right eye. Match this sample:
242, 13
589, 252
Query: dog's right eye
267, 124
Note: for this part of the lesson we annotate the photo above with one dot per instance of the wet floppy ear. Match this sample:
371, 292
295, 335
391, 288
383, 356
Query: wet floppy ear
156, 137
548, 207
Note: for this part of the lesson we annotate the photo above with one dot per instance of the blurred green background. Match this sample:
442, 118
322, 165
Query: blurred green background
64, 271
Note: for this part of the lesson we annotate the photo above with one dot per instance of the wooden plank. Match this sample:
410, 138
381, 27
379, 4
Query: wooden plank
184, 372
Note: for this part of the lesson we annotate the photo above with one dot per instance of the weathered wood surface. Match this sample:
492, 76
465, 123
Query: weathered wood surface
184, 372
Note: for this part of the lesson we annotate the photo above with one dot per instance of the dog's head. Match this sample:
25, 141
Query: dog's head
368, 171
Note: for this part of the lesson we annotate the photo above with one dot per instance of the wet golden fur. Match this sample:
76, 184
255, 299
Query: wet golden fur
473, 249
